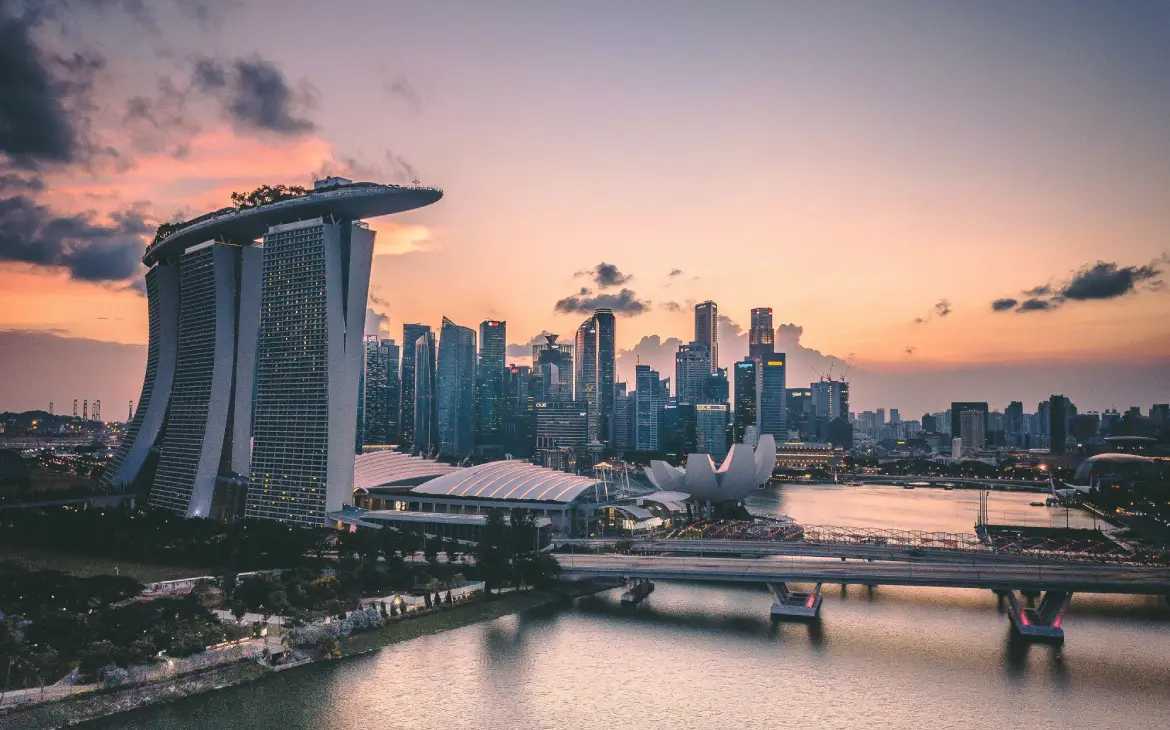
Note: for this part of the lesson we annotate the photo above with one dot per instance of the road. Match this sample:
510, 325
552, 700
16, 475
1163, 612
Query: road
995, 576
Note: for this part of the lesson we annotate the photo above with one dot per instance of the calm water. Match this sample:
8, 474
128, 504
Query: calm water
703, 656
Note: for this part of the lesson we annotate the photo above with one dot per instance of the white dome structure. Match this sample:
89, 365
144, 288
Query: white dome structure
741, 472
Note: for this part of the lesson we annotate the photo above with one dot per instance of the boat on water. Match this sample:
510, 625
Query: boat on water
1037, 504
948, 486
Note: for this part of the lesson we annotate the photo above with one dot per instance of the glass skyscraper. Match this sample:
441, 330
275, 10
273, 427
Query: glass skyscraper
490, 372
455, 390
761, 336
410, 335
425, 439
707, 330
379, 407
585, 378
606, 368
771, 398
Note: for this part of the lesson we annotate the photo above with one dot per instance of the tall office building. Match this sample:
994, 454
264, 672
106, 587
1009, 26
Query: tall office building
971, 430
379, 398
745, 398
455, 390
957, 409
552, 365
772, 397
519, 419
490, 375
798, 404
711, 430
692, 367
425, 434
606, 368
707, 330
621, 435
257, 352
586, 376
1013, 424
562, 433
650, 395
761, 336
1060, 413
410, 335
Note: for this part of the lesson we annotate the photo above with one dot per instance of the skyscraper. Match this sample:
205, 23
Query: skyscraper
425, 438
308, 366
258, 353
707, 330
957, 409
745, 397
621, 438
761, 336
379, 406
455, 390
410, 335
711, 430
490, 372
219, 287
771, 397
799, 406
650, 396
1059, 414
606, 368
692, 366
585, 378
552, 363
561, 434
971, 430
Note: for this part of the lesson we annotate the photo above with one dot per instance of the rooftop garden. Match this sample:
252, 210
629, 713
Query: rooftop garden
263, 195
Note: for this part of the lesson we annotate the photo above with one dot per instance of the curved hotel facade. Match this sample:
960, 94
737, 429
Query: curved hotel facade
256, 346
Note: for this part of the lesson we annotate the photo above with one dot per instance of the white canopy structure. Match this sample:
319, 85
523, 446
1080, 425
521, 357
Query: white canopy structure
741, 472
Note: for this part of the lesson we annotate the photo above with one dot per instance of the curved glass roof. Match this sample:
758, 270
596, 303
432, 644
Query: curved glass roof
384, 468
510, 480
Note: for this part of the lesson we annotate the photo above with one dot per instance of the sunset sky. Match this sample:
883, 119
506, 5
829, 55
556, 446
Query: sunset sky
880, 173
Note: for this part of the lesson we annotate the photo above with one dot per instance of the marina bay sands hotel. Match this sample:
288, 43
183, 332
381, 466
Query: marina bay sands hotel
257, 317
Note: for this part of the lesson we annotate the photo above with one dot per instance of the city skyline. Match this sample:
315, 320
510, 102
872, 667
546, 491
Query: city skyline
987, 213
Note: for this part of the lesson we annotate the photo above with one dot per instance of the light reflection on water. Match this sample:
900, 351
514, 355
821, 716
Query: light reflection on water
708, 656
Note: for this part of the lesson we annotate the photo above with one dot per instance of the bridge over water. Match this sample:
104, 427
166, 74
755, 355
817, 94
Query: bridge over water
1008, 576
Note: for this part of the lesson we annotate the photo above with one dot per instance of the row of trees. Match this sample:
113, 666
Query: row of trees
53, 622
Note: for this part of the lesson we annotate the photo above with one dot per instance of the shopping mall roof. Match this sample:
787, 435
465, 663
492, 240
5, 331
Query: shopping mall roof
510, 480
394, 468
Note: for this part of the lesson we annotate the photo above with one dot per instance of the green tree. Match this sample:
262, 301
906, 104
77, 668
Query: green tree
493, 552
453, 548
432, 548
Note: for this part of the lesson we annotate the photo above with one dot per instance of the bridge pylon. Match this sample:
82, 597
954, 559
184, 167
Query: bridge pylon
636, 590
1043, 622
787, 603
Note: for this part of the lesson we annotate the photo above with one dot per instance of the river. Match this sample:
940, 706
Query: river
707, 656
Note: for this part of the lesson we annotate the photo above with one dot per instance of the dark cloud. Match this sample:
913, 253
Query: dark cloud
941, 309
255, 95
378, 300
625, 302
675, 272
1107, 281
11, 182
89, 251
1102, 280
160, 123
605, 275
401, 87
1037, 304
672, 306
36, 122
909, 349
377, 323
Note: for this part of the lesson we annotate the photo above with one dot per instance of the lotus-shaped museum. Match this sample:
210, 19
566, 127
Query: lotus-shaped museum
741, 472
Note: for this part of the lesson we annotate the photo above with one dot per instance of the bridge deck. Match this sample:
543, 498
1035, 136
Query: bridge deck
993, 576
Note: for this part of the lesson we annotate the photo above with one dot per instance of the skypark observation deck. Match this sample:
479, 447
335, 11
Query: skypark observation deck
349, 201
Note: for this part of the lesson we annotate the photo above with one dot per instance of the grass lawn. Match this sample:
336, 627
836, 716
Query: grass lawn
84, 567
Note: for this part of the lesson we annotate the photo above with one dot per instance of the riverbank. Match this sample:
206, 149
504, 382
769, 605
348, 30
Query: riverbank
103, 703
